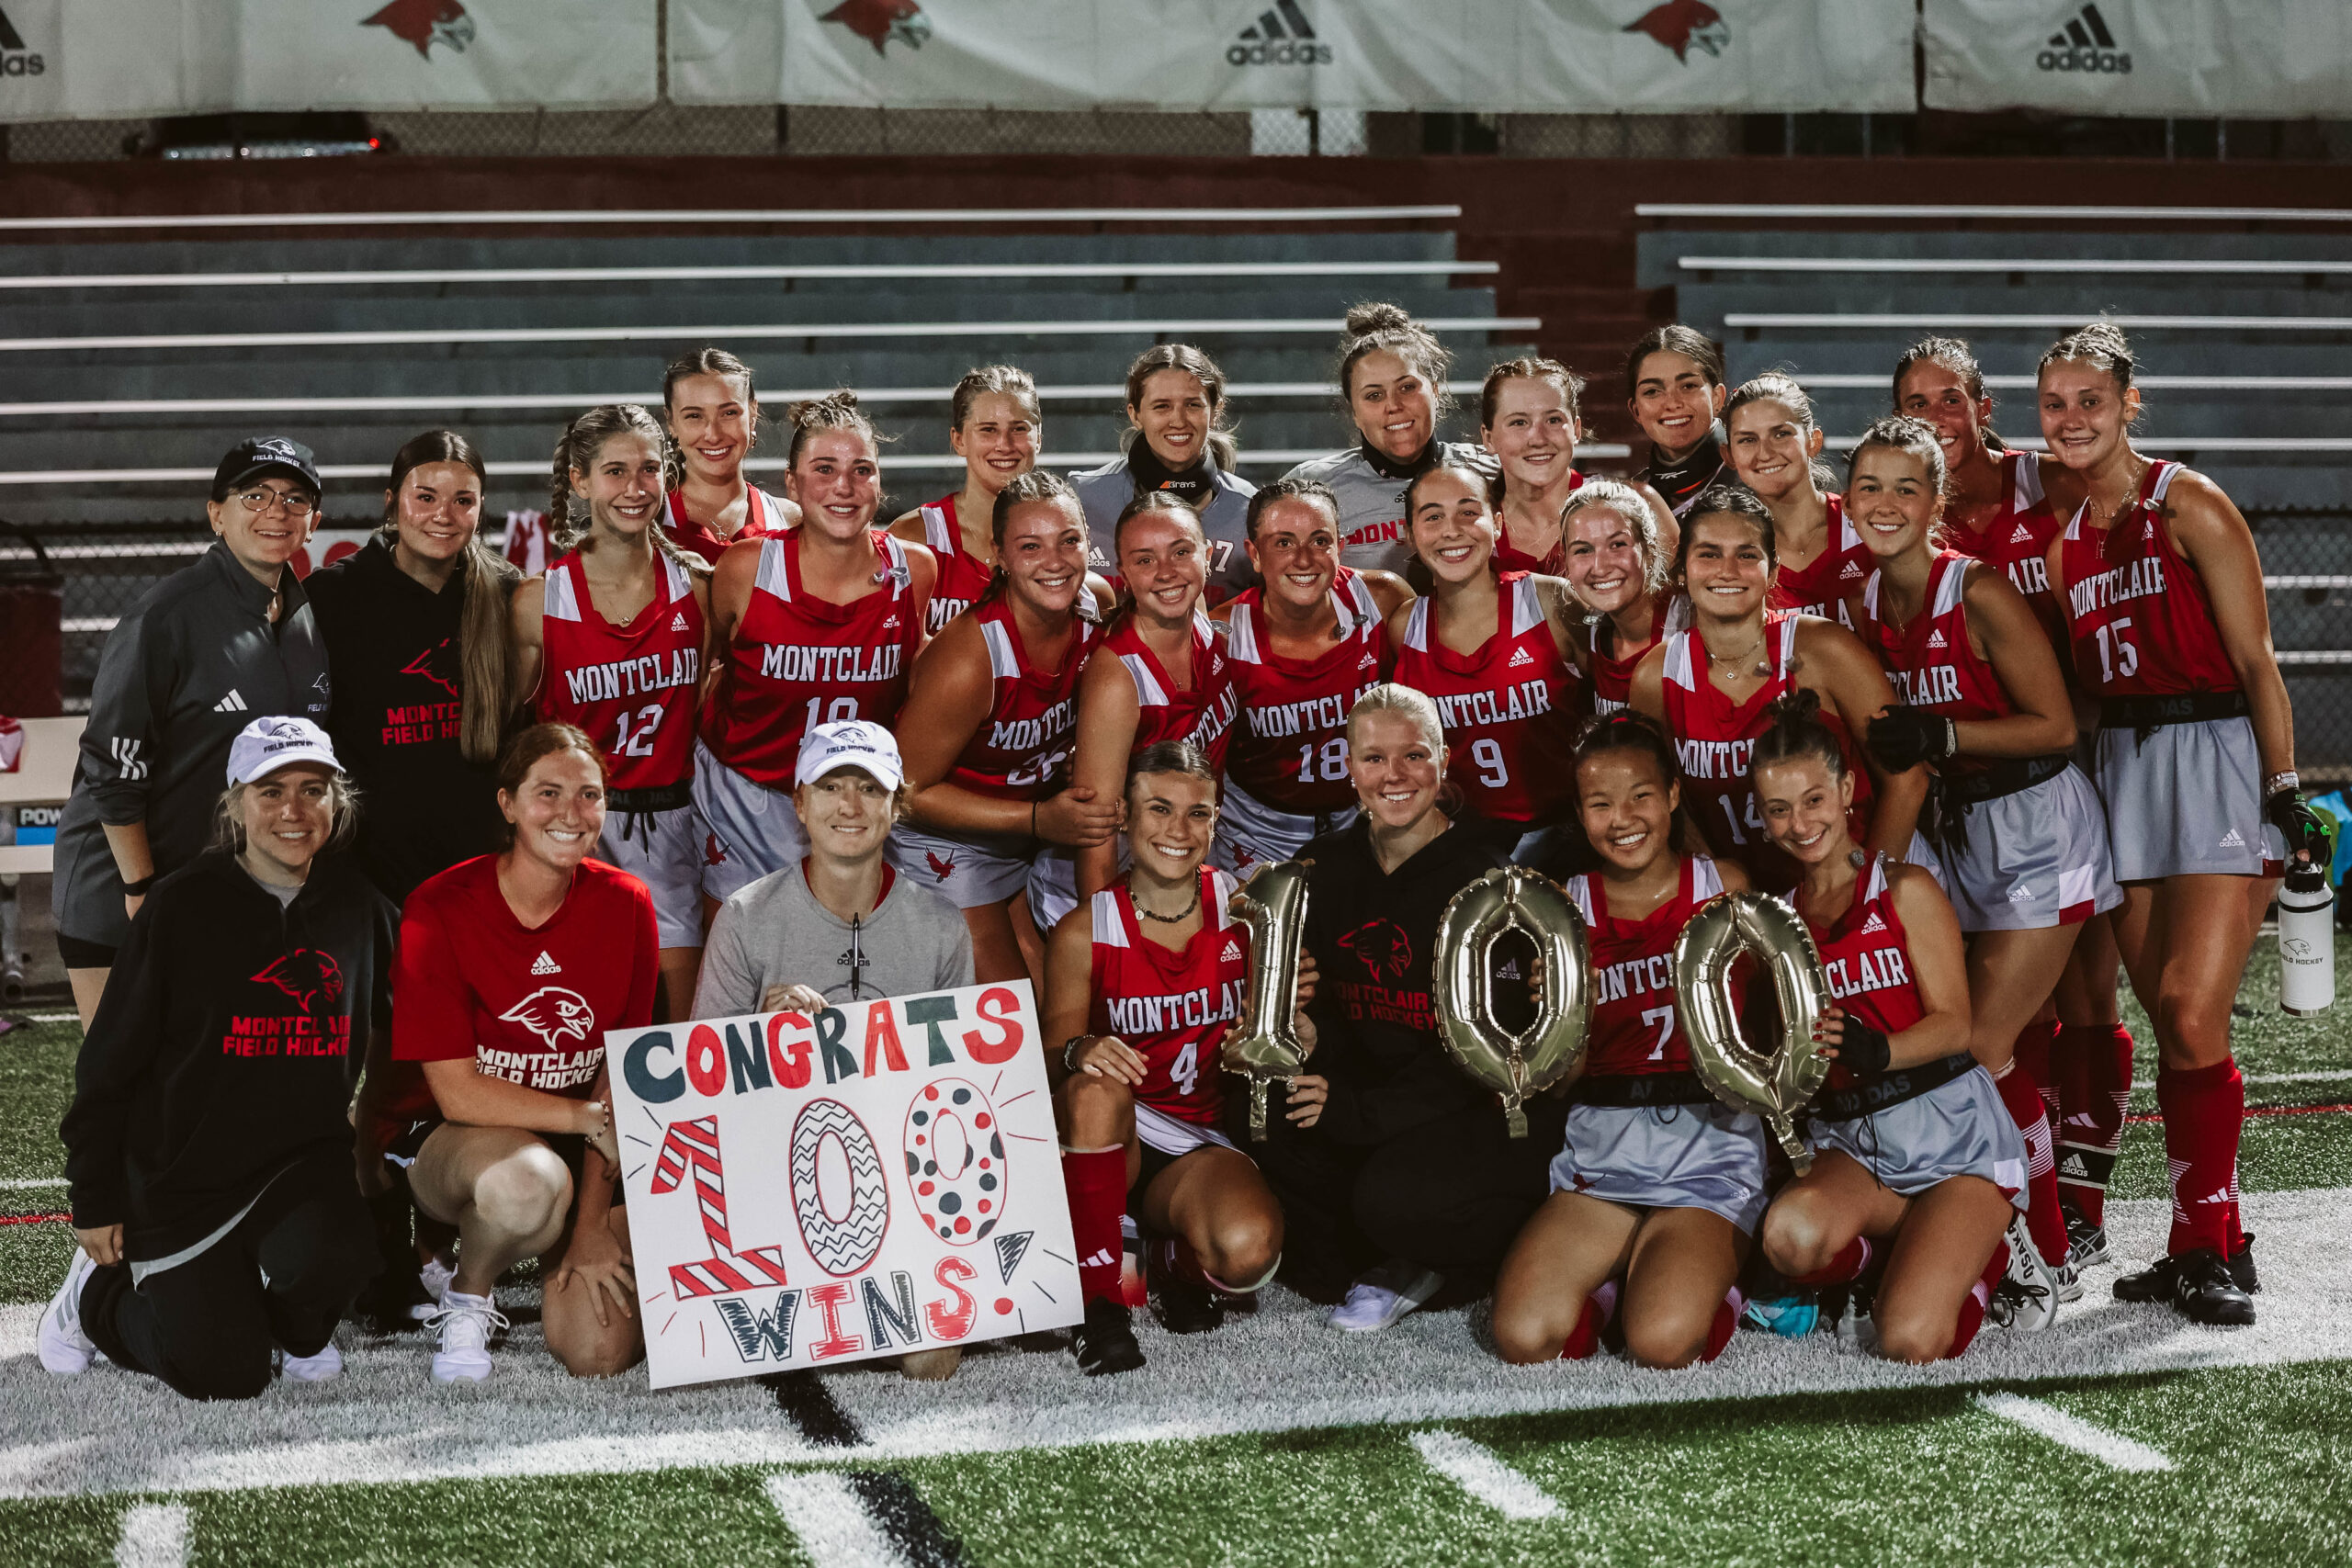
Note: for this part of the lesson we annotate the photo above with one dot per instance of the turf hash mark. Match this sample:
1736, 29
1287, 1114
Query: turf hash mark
154, 1535
2111, 1449
862, 1518
1475, 1469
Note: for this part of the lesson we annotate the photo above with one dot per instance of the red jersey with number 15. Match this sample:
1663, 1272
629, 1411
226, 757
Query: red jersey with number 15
2137, 612
1172, 1006
1634, 1030
1020, 750
1290, 749
798, 661
962, 578
1508, 708
630, 687
1868, 957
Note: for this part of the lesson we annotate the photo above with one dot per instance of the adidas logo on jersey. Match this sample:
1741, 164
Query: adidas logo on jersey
1102, 1258
544, 964
2024, 535
1849, 571
1519, 658
233, 702
891, 623
1232, 953
1936, 638
1873, 924
678, 622
2229, 841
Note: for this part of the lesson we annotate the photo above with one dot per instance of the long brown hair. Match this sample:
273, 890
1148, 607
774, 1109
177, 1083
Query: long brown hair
568, 519
489, 579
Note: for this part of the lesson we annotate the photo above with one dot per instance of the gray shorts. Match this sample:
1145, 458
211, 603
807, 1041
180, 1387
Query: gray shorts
1960, 1128
752, 830
1665, 1157
2187, 801
664, 850
1249, 832
969, 873
2034, 860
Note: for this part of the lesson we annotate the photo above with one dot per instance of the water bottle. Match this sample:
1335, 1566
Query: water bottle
2306, 942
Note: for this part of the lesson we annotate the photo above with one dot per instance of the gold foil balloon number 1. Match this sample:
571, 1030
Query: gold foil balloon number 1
1515, 1067
1775, 1086
1265, 1044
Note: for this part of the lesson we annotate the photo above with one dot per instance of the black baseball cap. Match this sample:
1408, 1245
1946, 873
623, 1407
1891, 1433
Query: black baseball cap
258, 454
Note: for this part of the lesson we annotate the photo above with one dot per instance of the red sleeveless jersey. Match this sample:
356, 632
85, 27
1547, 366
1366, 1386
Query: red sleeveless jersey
1716, 739
1290, 750
1821, 587
1931, 662
1202, 715
1868, 957
759, 523
962, 578
1020, 751
1172, 1007
1508, 560
2017, 536
1634, 1026
1507, 709
632, 688
2136, 612
798, 661
1612, 668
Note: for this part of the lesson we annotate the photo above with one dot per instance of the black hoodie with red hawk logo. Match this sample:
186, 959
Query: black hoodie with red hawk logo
224, 1053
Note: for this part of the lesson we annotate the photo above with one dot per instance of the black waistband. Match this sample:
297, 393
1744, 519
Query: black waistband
2145, 713
1640, 1088
2011, 775
1887, 1090
665, 797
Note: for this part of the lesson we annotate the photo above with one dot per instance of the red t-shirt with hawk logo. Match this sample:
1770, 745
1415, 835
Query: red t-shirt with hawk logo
529, 1005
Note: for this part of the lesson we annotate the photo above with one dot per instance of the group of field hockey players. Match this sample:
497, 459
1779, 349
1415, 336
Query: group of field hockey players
1996, 724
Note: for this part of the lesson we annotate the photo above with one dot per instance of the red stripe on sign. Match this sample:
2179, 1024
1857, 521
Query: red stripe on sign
32, 1219
2271, 1111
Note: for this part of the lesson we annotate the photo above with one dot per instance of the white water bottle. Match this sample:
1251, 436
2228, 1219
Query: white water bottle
2306, 942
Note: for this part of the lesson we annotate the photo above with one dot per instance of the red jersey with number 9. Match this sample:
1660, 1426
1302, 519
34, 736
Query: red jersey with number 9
1634, 1030
1172, 1006
1290, 749
2137, 612
1867, 957
1508, 708
798, 661
630, 687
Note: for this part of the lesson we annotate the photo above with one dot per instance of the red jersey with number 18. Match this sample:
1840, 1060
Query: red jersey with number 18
1508, 708
1634, 1030
1172, 1006
630, 687
2137, 612
1290, 750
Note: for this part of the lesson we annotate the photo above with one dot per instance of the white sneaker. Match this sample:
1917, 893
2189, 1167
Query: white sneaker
2070, 1281
64, 1349
322, 1368
2027, 1297
435, 1277
467, 1324
1383, 1296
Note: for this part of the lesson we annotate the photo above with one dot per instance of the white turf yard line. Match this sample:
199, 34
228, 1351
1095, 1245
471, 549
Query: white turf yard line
1479, 1471
1279, 1368
154, 1535
23, 1183
2111, 1449
832, 1521
2324, 1075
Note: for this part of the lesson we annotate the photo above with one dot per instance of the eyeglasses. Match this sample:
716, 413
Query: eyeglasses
296, 504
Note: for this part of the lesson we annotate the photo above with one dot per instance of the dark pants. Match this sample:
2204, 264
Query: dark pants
1451, 1195
283, 1277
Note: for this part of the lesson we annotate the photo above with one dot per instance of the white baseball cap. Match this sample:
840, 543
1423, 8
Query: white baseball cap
850, 743
269, 744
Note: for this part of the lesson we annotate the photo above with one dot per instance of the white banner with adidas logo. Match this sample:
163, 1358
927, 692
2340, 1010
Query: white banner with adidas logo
2254, 58
880, 1178
1528, 56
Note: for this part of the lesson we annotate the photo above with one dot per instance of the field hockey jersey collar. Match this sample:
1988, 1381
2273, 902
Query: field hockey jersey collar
1688, 663
1116, 923
1248, 639
567, 597
780, 576
1696, 882
1522, 603
2153, 486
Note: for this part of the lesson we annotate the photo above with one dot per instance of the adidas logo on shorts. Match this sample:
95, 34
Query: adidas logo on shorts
1936, 638
2229, 841
546, 965
1873, 924
2020, 894
1520, 659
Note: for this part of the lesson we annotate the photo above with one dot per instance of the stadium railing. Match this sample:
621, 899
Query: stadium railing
2103, 265
1953, 212
709, 217
878, 271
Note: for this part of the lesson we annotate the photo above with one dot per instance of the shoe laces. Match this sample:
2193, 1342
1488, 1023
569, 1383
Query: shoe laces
485, 1319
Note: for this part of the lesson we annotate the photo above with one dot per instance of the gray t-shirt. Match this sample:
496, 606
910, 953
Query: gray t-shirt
774, 932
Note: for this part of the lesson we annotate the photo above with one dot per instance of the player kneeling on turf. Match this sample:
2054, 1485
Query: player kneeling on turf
1142, 981
1656, 1194
208, 1145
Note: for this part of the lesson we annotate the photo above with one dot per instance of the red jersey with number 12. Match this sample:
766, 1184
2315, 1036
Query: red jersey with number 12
630, 687
1172, 1006
2136, 611
1634, 1030
962, 577
1290, 750
1507, 708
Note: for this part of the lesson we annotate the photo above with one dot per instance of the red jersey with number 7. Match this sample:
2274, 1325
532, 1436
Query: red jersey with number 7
1290, 749
1508, 708
1634, 1030
630, 687
2136, 611
1172, 1006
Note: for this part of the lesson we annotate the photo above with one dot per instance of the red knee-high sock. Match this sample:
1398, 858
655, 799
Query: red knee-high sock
1848, 1264
2204, 1108
1097, 1180
2022, 1095
2032, 1054
2096, 1088
1585, 1338
1726, 1323
1979, 1297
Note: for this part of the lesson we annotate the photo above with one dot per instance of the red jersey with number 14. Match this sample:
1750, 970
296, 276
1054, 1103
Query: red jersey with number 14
1172, 1006
1020, 750
1821, 586
962, 577
1868, 957
1634, 1030
630, 687
2137, 612
1290, 750
1508, 708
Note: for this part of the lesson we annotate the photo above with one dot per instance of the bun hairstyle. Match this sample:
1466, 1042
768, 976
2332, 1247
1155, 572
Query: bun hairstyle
1371, 328
568, 514
1626, 730
1675, 338
1797, 729
2101, 343
1626, 503
1171, 757
1729, 500
1224, 442
982, 379
1315, 492
1037, 487
525, 750
490, 578
1551, 371
1901, 432
834, 411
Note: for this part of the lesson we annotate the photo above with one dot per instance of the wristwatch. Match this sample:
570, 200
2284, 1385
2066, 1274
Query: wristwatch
1070, 1052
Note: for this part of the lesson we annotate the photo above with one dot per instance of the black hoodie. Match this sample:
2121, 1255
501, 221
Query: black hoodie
1372, 933
225, 1049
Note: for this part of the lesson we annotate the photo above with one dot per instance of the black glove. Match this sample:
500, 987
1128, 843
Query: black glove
2301, 825
1902, 737
1864, 1050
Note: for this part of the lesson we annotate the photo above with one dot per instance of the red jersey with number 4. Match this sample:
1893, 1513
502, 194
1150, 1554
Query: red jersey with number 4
1613, 665
2136, 612
630, 687
1172, 1006
1868, 957
1634, 1029
798, 661
759, 523
2016, 538
529, 1005
1931, 662
1202, 715
1508, 708
1290, 749
1022, 749
962, 577
1716, 739
1821, 586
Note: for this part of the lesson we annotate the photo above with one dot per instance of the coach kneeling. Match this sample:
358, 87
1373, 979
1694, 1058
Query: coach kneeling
209, 1145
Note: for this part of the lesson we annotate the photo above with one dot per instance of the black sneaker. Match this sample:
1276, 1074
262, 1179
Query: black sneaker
2198, 1284
2241, 1266
1182, 1305
1105, 1342
2085, 1243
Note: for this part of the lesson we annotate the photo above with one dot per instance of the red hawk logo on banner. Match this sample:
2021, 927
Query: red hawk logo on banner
425, 23
1678, 24
879, 21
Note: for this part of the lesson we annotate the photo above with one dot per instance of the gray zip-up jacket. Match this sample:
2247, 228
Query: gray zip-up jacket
1104, 492
193, 662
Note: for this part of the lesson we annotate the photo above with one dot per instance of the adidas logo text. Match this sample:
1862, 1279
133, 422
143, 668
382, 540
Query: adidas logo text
233, 702
546, 965
2084, 44
2024, 535
1232, 953
2020, 894
1935, 640
1281, 36
678, 622
2229, 841
1520, 656
1873, 924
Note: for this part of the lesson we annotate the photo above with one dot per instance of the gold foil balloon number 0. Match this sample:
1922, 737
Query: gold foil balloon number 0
1265, 1044
1776, 1085
1515, 1067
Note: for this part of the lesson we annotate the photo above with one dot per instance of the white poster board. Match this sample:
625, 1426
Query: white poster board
811, 1191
